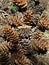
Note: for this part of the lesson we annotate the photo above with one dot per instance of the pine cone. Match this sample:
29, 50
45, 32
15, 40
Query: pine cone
37, 35
34, 44
5, 59
15, 20
5, 46
28, 17
25, 31
44, 22
42, 44
31, 18
21, 3
39, 8
21, 58
18, 48
26, 46
10, 34
42, 59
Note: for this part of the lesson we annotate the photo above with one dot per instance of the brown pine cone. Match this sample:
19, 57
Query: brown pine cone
31, 18
41, 44
21, 3
28, 17
15, 20
37, 35
34, 44
21, 58
18, 48
44, 22
44, 43
10, 34
5, 46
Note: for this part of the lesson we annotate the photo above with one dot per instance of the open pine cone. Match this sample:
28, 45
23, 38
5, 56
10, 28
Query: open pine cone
5, 59
42, 44
5, 46
44, 22
15, 20
28, 17
10, 34
37, 35
31, 18
21, 3
21, 58
25, 31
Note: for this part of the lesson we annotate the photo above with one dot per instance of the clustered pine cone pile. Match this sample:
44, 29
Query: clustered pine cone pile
13, 43
20, 58
23, 37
